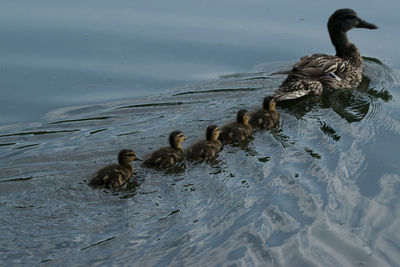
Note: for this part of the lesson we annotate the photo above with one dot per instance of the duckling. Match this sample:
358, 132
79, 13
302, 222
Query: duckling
319, 73
237, 131
115, 175
166, 157
206, 149
266, 117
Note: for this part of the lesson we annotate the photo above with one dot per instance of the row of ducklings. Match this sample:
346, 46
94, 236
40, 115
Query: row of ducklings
116, 175
311, 75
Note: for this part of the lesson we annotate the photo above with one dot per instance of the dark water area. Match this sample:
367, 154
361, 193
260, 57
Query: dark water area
82, 80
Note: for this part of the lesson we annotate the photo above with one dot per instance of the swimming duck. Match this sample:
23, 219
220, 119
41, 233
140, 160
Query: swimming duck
316, 73
267, 116
166, 157
206, 149
237, 131
115, 175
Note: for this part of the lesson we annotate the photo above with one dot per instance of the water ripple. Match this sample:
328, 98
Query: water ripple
320, 189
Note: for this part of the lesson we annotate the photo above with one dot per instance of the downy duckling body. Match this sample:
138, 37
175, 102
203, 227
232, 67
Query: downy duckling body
115, 175
206, 149
237, 131
318, 73
266, 117
167, 157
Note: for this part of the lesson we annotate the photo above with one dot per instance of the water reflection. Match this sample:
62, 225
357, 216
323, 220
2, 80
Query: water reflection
352, 105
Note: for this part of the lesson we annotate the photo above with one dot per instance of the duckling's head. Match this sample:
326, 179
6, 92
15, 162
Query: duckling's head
346, 19
242, 116
176, 138
212, 132
126, 156
269, 103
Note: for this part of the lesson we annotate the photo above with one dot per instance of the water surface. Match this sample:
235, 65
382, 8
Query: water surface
55, 54
320, 190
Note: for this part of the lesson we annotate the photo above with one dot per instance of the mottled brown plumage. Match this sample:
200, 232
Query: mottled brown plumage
206, 149
115, 175
167, 157
318, 73
266, 117
237, 131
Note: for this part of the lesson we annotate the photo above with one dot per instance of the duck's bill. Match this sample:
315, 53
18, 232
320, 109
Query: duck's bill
367, 25
138, 159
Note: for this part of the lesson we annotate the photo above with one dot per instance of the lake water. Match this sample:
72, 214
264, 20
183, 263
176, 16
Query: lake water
81, 80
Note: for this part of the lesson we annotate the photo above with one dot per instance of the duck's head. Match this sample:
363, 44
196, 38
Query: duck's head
176, 138
212, 132
346, 19
242, 116
126, 156
269, 103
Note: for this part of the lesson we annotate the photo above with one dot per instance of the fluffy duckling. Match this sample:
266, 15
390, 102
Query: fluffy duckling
266, 117
237, 131
316, 73
206, 149
167, 157
115, 175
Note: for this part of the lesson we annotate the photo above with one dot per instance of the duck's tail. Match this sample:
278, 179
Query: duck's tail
296, 89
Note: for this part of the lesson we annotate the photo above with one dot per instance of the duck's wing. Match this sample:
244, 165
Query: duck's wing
246, 130
105, 176
197, 150
316, 66
304, 78
119, 176
164, 158
157, 158
229, 133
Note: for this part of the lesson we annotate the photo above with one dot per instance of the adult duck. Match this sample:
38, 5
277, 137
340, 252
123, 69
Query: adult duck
318, 73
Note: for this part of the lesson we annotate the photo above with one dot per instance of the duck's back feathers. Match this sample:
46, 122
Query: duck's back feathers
293, 88
316, 66
203, 150
318, 72
235, 132
164, 157
111, 176
263, 119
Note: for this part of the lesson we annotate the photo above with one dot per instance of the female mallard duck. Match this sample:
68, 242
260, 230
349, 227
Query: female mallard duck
166, 157
206, 149
115, 175
316, 73
237, 131
266, 117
